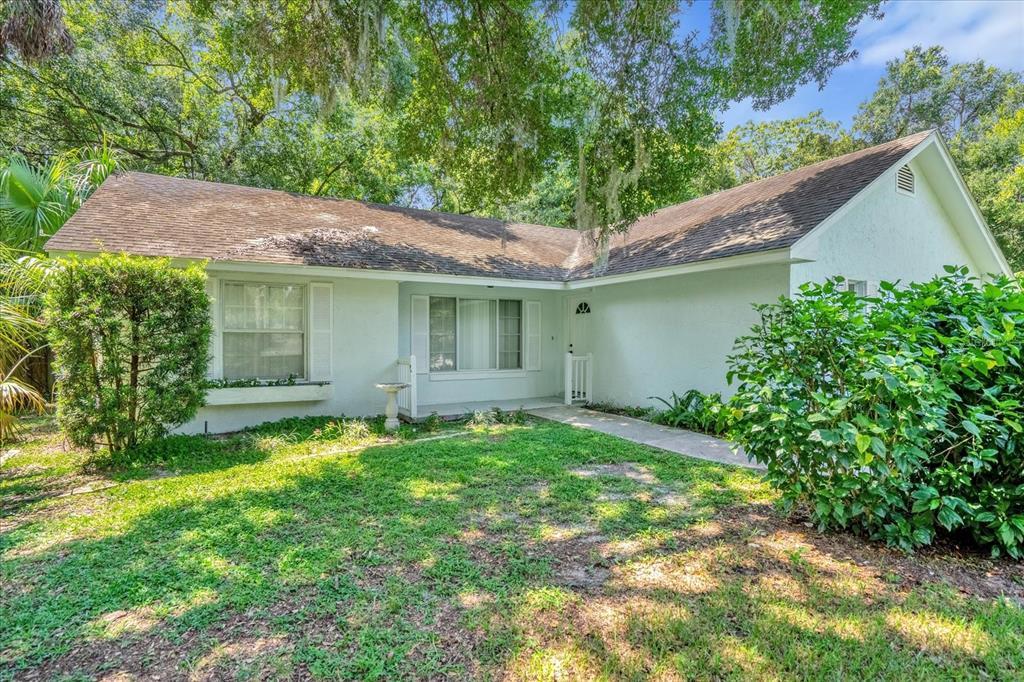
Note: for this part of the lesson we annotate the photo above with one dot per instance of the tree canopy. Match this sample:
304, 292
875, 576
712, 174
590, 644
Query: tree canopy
582, 114
456, 104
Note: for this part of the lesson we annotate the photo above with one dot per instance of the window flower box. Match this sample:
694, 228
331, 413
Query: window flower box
284, 393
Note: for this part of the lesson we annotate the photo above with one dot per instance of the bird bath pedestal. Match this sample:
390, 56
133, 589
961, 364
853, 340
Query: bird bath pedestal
391, 409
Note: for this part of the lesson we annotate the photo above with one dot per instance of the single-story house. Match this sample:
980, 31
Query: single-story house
340, 295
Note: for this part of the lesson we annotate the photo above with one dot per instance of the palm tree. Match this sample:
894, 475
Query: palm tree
35, 29
36, 200
21, 334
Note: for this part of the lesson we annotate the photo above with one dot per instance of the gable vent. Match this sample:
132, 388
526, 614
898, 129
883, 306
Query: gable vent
905, 180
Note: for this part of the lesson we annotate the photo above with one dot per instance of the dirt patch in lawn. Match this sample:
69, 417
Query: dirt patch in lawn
630, 470
766, 538
749, 563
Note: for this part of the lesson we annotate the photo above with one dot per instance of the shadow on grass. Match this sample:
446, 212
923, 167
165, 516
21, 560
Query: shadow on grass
452, 558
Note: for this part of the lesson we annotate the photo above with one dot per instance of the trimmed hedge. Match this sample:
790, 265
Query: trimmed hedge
899, 416
130, 337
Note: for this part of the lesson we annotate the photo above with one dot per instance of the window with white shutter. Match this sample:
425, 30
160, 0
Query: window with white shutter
264, 331
531, 333
214, 368
420, 325
450, 334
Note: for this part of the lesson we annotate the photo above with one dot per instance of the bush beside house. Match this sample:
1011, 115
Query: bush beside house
131, 341
901, 416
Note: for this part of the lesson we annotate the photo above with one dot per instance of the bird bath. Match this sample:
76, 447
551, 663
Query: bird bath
391, 409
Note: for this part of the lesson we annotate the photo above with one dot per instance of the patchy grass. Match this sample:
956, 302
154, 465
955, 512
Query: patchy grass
521, 551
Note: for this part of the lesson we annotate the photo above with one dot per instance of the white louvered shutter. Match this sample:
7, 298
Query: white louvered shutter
321, 327
531, 334
420, 333
214, 369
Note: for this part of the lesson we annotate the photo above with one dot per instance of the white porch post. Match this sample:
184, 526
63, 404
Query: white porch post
590, 377
412, 387
568, 378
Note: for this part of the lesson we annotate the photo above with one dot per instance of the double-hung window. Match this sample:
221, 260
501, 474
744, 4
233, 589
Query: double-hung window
264, 331
857, 286
475, 334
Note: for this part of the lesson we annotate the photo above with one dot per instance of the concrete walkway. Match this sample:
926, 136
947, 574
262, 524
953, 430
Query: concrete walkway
663, 437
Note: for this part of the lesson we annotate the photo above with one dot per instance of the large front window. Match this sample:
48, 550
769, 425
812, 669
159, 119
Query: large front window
264, 331
475, 334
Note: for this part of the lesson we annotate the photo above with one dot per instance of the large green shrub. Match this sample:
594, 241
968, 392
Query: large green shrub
130, 337
900, 415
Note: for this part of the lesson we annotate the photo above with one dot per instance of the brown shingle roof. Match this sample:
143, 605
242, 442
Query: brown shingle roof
758, 216
156, 215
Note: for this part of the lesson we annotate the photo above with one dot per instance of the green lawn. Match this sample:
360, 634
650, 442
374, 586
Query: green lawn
532, 551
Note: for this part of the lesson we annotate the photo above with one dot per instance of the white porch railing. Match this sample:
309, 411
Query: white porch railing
407, 396
579, 377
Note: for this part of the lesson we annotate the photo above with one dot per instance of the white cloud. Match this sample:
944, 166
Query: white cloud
968, 29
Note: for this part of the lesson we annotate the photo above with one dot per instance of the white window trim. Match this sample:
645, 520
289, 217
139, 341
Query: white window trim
861, 284
305, 317
458, 372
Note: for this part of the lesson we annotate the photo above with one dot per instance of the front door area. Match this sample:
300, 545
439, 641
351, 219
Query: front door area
579, 326
578, 358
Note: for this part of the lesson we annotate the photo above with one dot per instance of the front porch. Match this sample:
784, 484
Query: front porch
577, 371
446, 410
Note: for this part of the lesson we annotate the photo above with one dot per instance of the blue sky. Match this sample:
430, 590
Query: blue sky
992, 30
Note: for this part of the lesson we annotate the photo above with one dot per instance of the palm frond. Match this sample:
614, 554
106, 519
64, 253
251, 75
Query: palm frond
16, 397
92, 165
34, 201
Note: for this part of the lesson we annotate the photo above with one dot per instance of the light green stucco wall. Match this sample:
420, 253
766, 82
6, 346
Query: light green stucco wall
888, 236
656, 336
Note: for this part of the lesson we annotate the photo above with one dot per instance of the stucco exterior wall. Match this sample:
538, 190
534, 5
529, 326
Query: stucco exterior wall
656, 336
887, 236
452, 387
365, 330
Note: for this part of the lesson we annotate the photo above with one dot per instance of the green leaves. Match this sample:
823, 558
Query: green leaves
863, 442
130, 336
36, 200
463, 106
910, 407
701, 412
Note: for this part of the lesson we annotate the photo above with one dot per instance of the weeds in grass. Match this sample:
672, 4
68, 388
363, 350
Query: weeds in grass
645, 413
433, 423
483, 418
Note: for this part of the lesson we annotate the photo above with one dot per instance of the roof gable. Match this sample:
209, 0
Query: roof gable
157, 215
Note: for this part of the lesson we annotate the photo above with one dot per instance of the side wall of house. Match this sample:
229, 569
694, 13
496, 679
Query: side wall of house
456, 387
887, 236
363, 340
655, 336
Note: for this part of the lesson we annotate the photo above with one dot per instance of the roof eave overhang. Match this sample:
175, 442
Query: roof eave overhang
768, 257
